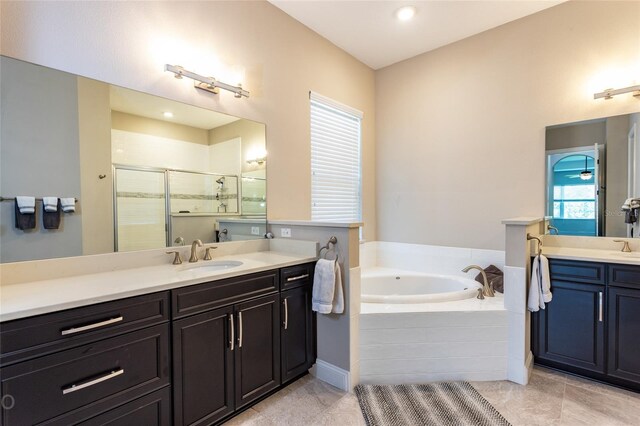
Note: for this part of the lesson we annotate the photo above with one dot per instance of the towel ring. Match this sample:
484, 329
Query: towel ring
331, 245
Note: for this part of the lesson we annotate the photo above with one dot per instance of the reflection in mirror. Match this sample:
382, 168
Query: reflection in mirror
148, 172
593, 168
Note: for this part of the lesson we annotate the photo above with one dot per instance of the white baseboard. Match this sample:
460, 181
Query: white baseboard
519, 371
529, 366
331, 374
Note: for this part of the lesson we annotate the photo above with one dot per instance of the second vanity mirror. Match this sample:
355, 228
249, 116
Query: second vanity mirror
592, 168
147, 172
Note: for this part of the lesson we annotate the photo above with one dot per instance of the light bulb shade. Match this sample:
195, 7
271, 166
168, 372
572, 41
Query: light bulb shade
586, 175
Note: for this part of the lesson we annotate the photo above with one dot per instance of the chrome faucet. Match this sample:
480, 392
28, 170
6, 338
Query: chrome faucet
487, 288
625, 247
194, 254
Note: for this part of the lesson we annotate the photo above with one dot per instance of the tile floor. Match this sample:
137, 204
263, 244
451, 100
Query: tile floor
551, 398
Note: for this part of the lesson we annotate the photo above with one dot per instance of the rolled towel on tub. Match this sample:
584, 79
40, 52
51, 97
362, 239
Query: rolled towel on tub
327, 295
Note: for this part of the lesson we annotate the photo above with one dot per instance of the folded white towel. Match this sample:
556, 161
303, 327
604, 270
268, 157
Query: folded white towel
68, 205
26, 205
327, 295
50, 204
540, 285
631, 203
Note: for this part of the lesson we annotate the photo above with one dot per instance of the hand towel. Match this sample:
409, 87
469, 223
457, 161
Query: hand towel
24, 221
540, 284
50, 218
631, 203
327, 294
68, 205
50, 204
495, 277
26, 205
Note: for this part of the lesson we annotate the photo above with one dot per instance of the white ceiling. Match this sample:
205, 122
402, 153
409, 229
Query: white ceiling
145, 105
369, 31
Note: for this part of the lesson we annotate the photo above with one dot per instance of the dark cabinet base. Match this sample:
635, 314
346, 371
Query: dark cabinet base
591, 326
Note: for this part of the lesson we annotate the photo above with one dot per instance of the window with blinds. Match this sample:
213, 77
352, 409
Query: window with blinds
335, 161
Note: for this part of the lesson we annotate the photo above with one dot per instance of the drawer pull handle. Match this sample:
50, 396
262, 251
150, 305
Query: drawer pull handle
600, 307
296, 278
74, 330
100, 379
239, 329
286, 315
232, 332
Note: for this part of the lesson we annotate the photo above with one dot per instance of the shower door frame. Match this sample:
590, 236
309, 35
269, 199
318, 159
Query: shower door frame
167, 202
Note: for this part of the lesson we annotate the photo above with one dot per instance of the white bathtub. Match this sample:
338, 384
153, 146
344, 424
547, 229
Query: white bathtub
413, 287
428, 325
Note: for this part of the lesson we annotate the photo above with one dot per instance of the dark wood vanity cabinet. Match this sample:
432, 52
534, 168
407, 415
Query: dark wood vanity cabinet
298, 322
591, 326
203, 365
241, 352
76, 366
189, 356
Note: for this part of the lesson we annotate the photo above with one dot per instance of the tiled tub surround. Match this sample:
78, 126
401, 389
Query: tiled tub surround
38, 287
424, 342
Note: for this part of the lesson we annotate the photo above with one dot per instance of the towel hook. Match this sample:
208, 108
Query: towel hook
531, 237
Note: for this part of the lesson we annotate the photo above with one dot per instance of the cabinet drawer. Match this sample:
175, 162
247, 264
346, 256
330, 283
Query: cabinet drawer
44, 334
133, 364
572, 271
199, 298
296, 276
151, 409
624, 276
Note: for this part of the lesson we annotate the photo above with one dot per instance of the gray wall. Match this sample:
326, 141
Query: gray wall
575, 135
39, 156
617, 175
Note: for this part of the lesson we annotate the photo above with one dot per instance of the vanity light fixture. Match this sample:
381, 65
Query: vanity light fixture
610, 93
406, 13
257, 160
586, 173
209, 84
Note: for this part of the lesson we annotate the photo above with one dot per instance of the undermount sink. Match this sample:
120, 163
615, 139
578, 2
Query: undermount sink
212, 265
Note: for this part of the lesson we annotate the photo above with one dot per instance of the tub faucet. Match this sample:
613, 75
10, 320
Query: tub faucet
487, 288
194, 253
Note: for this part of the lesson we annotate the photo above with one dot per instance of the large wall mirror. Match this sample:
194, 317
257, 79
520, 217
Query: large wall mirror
147, 172
593, 168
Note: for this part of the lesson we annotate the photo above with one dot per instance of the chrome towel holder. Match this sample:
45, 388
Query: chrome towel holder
332, 242
531, 237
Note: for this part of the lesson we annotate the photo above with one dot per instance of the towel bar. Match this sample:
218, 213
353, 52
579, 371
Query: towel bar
13, 198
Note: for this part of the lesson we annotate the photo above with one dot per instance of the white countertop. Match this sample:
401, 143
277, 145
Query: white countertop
45, 296
592, 255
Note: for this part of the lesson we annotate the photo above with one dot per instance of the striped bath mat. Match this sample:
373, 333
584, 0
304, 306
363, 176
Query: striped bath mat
438, 404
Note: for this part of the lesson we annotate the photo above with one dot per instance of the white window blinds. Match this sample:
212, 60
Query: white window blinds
335, 161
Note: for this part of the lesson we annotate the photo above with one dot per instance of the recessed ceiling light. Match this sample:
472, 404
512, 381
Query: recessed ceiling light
167, 114
405, 13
